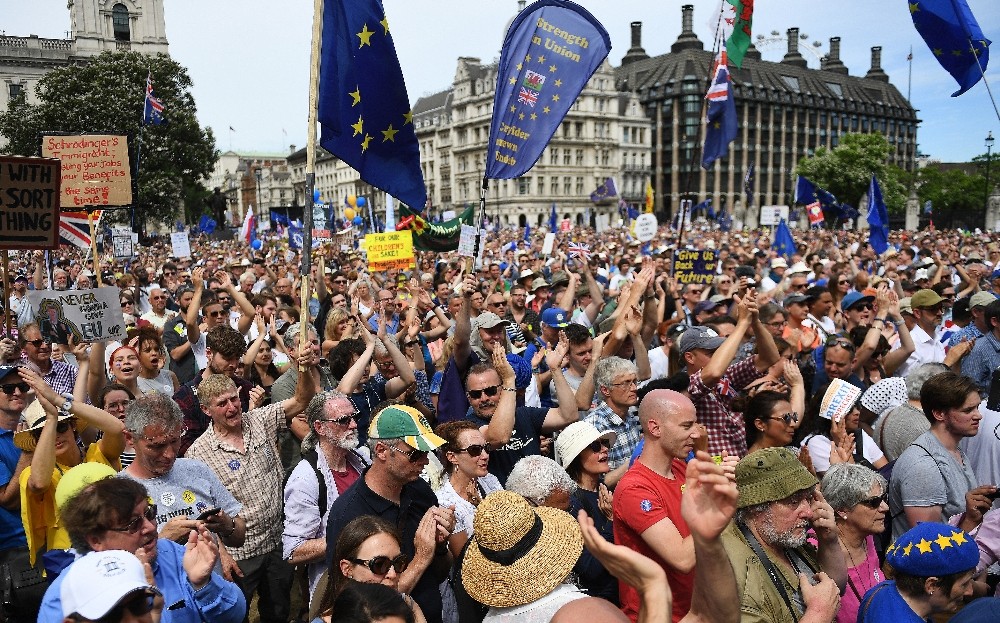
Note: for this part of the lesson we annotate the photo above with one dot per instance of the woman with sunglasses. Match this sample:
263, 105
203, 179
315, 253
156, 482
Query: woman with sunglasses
115, 398
858, 498
770, 420
582, 450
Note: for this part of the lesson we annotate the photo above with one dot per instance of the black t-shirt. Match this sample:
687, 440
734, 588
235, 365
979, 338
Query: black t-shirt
174, 335
524, 440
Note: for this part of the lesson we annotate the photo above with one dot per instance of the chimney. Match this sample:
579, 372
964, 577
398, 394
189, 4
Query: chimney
792, 56
876, 73
752, 52
832, 61
687, 39
635, 53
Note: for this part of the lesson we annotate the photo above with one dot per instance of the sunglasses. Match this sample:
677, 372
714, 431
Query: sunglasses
126, 303
787, 418
36, 343
342, 421
598, 444
875, 501
476, 449
10, 387
61, 428
380, 565
413, 455
216, 313
833, 340
133, 526
843, 281
139, 605
491, 391
862, 307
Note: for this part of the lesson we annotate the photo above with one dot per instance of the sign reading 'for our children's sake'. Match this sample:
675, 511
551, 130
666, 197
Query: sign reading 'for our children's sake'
29, 203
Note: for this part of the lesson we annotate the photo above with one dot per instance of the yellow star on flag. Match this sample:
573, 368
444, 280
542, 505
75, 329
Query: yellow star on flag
956, 52
914, 7
356, 95
943, 542
364, 143
924, 546
906, 550
527, 58
389, 134
407, 117
938, 51
555, 97
890, 549
533, 116
365, 35
541, 59
546, 110
520, 66
558, 82
521, 116
359, 126
513, 108
552, 69
513, 80
959, 538
385, 25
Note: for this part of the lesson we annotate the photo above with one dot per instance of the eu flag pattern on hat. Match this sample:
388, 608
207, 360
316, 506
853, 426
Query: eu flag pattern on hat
933, 550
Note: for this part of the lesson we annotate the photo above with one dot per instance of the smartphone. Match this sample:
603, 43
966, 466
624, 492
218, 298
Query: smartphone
209, 513
994, 495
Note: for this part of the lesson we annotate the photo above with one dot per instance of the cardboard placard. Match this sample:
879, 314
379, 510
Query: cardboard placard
180, 244
29, 203
86, 315
389, 250
549, 244
692, 266
96, 170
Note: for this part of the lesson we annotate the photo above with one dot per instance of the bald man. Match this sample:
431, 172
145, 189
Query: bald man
647, 502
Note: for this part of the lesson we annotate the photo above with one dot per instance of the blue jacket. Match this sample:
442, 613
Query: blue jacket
218, 601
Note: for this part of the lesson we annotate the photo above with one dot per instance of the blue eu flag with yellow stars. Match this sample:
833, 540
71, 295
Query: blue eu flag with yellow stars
364, 112
951, 31
784, 243
552, 49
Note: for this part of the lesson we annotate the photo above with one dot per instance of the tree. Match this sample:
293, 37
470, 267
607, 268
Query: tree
107, 95
956, 197
846, 170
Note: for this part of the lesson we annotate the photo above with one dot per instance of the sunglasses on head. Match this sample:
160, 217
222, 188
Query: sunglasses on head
133, 526
491, 391
10, 387
597, 444
834, 340
380, 565
875, 501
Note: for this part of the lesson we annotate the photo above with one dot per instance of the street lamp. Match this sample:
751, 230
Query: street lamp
258, 174
989, 146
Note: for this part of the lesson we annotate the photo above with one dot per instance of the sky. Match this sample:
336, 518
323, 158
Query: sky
249, 59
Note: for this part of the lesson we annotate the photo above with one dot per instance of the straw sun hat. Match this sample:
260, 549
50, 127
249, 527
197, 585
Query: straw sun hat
518, 553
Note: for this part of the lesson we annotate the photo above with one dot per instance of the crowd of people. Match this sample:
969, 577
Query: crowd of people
578, 435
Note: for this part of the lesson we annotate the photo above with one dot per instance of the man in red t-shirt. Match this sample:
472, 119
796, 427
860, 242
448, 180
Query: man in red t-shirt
647, 503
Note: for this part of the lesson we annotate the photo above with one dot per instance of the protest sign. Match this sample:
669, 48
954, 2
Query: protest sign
121, 243
389, 250
550, 242
772, 215
565, 225
693, 266
645, 227
95, 169
180, 244
29, 203
85, 315
467, 241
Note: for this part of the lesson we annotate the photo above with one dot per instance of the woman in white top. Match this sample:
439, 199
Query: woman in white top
833, 416
153, 376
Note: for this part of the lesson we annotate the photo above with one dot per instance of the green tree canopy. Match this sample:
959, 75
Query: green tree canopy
846, 170
955, 195
107, 95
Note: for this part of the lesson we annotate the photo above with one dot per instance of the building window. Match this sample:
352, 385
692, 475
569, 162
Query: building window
579, 186
14, 91
523, 185
554, 186
579, 157
567, 186
554, 155
567, 155
119, 20
541, 185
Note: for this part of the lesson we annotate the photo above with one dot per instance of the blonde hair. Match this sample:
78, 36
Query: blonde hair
213, 387
334, 318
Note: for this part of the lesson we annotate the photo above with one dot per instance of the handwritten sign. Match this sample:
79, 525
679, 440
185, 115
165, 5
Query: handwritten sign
121, 242
467, 241
181, 245
85, 315
645, 227
95, 169
772, 215
691, 266
389, 250
29, 203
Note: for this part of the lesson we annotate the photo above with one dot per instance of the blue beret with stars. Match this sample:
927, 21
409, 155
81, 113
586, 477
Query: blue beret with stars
933, 550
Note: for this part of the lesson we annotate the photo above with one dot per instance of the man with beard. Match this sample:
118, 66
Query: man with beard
782, 578
175, 339
158, 315
333, 462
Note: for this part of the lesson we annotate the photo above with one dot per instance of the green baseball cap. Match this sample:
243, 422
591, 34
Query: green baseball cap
406, 423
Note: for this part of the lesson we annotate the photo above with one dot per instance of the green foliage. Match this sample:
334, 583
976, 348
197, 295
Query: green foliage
954, 194
846, 170
107, 95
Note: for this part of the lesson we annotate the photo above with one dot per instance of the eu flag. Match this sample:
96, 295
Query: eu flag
783, 243
878, 218
606, 190
364, 112
950, 30
550, 51
553, 218
805, 191
721, 126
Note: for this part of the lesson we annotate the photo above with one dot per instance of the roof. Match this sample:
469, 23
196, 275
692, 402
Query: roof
436, 101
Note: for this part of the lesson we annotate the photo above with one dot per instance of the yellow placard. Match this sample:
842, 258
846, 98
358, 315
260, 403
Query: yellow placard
389, 250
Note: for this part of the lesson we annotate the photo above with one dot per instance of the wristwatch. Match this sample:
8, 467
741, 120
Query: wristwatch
67, 406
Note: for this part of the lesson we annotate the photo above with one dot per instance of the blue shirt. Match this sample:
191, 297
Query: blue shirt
968, 332
883, 604
218, 601
981, 361
391, 327
11, 527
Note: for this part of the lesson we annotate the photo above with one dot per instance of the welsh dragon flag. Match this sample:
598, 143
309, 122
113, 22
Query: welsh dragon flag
732, 23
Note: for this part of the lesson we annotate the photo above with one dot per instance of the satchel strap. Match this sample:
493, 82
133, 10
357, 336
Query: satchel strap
769, 567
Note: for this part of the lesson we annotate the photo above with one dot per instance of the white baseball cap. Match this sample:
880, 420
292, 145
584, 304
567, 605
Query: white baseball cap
99, 581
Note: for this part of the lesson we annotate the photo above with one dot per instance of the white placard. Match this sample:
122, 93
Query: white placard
180, 244
645, 227
86, 315
121, 243
772, 215
603, 222
467, 241
550, 242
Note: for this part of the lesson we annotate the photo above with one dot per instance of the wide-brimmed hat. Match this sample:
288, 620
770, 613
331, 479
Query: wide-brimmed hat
518, 553
526, 274
933, 550
34, 417
770, 475
99, 581
539, 282
573, 439
406, 423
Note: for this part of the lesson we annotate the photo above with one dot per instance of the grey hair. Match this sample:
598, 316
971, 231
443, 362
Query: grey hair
153, 410
372, 443
380, 345
916, 379
846, 484
608, 369
291, 336
536, 477
743, 515
315, 411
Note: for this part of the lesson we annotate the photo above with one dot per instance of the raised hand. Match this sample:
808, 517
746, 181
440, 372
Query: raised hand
624, 563
503, 366
792, 374
554, 358
200, 555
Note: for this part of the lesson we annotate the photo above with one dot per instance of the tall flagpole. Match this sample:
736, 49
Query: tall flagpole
909, 79
307, 215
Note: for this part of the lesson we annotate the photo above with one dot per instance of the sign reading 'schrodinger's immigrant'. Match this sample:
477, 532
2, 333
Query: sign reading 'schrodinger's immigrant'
29, 203
95, 169
81, 315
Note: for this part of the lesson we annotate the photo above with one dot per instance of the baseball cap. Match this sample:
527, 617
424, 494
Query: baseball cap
704, 306
406, 423
488, 320
792, 299
700, 337
904, 306
925, 298
555, 318
853, 298
981, 299
6, 371
97, 582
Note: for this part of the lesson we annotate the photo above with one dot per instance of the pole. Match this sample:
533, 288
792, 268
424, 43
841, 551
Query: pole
909, 79
989, 146
93, 246
6, 289
307, 217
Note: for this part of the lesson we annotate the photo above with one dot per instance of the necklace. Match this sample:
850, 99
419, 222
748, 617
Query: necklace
854, 565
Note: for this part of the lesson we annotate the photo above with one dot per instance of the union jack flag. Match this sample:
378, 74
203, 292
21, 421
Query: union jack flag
153, 112
579, 250
74, 229
527, 96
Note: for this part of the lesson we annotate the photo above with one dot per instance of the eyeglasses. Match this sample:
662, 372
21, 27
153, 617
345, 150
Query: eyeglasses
800, 286
598, 444
157, 298
384, 365
628, 383
875, 501
10, 387
787, 418
216, 313
340, 280
133, 526
37, 343
380, 565
61, 428
160, 446
167, 273
476, 449
777, 324
413, 455
385, 300
491, 391
343, 420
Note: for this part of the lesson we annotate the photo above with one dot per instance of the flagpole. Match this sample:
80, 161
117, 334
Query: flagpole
482, 218
982, 73
307, 215
909, 79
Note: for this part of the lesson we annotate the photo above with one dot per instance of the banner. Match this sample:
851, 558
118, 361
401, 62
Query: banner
389, 250
95, 169
692, 266
86, 315
29, 200
438, 237
551, 50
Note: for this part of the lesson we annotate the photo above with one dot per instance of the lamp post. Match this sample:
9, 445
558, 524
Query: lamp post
258, 174
989, 146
